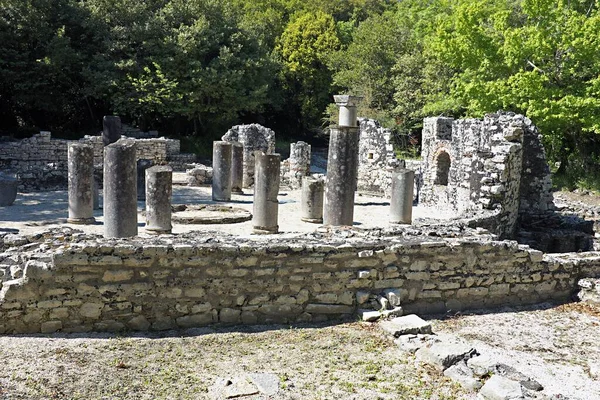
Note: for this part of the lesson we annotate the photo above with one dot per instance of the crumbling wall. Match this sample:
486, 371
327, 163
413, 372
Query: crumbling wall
41, 162
254, 137
376, 158
497, 163
112, 285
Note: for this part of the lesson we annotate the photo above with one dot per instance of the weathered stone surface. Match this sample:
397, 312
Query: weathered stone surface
266, 206
463, 375
267, 384
501, 388
411, 343
408, 324
481, 365
445, 353
368, 315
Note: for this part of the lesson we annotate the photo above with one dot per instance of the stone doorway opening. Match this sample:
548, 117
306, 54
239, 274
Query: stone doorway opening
442, 169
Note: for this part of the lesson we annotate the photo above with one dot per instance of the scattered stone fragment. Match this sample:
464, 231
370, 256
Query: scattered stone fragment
412, 343
501, 388
408, 324
267, 384
464, 376
234, 387
511, 373
481, 365
394, 312
393, 296
369, 316
445, 353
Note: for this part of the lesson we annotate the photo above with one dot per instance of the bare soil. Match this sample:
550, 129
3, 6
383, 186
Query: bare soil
351, 360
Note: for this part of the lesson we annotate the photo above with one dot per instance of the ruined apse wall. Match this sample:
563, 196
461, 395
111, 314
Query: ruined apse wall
495, 164
41, 162
112, 285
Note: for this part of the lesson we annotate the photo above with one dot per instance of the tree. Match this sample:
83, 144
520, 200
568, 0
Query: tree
304, 47
538, 57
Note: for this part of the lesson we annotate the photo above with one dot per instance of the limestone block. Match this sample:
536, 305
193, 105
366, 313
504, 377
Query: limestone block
408, 324
51, 326
328, 309
501, 388
230, 316
91, 310
446, 353
463, 375
117, 275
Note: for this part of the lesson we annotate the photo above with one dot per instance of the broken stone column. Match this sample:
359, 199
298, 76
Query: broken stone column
221, 182
299, 163
142, 165
312, 199
120, 190
401, 204
8, 189
266, 189
111, 131
159, 189
342, 165
81, 183
237, 167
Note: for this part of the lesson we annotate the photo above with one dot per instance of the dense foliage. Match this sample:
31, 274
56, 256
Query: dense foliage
195, 67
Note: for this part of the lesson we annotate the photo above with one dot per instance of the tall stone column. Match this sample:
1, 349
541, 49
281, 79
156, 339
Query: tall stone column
342, 165
112, 128
266, 189
221, 181
159, 189
299, 163
81, 183
312, 200
237, 167
120, 190
401, 203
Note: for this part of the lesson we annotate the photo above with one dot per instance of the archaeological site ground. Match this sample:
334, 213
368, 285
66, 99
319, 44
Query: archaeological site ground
350, 275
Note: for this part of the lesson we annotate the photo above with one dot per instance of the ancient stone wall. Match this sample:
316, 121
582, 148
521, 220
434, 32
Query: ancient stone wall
497, 163
41, 162
376, 158
112, 285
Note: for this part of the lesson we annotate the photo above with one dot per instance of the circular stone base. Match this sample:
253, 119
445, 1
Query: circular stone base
157, 231
209, 214
261, 230
313, 220
81, 221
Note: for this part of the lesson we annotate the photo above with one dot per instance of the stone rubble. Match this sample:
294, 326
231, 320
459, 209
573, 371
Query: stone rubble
462, 363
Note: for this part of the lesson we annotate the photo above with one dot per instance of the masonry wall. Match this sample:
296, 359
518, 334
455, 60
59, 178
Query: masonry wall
123, 285
41, 162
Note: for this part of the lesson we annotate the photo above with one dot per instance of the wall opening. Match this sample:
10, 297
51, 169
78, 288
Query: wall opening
442, 169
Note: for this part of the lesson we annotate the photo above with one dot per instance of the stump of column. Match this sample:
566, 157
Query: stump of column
120, 190
142, 165
221, 181
312, 200
237, 168
342, 172
111, 129
266, 189
8, 189
81, 183
401, 204
159, 189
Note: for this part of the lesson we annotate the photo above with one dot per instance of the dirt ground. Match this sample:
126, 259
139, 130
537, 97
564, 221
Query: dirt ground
351, 360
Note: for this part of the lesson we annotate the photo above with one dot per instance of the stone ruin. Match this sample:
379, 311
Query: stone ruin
40, 162
496, 164
492, 172
253, 137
